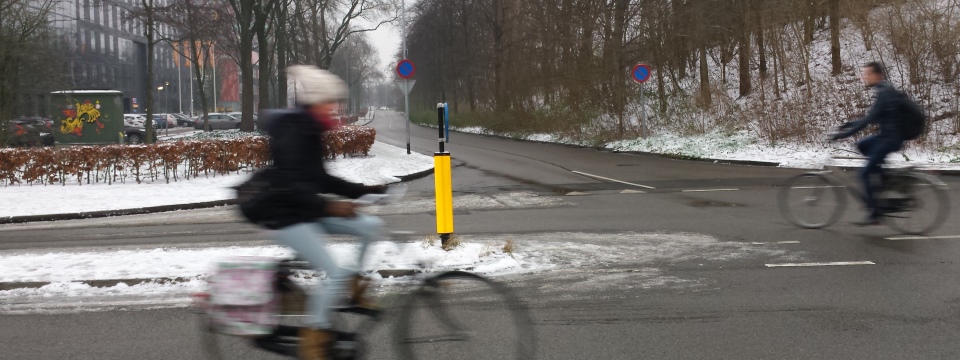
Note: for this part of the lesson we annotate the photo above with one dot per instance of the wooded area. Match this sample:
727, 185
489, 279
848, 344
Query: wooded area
563, 65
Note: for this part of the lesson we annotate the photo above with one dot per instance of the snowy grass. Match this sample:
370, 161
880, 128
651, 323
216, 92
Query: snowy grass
384, 165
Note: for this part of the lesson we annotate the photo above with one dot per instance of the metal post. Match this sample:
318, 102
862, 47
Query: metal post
214, 58
440, 109
406, 112
179, 85
190, 73
643, 113
443, 185
406, 96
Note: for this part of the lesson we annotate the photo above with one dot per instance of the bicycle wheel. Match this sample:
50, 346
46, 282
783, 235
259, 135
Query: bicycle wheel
459, 315
915, 203
812, 200
217, 346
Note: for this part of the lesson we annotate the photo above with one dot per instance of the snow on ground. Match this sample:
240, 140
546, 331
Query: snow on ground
383, 166
744, 146
570, 256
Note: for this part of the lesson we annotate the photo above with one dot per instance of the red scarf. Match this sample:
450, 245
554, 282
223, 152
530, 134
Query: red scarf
328, 123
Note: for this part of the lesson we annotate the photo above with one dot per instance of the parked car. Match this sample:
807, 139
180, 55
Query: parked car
134, 119
28, 132
239, 116
162, 121
136, 134
183, 120
218, 121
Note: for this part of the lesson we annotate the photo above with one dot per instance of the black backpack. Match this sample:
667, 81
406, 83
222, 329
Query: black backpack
912, 119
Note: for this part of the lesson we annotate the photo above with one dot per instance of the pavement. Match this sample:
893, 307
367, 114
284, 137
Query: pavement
652, 258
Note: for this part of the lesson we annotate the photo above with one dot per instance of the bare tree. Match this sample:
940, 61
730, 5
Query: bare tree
198, 25
25, 43
149, 12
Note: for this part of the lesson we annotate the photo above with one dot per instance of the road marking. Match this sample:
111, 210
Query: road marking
816, 187
895, 238
837, 263
708, 190
576, 193
613, 180
777, 242
628, 191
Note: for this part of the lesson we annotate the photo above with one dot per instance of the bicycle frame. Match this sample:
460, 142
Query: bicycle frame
830, 170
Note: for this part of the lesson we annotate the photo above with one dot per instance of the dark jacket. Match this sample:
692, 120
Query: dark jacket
885, 112
297, 175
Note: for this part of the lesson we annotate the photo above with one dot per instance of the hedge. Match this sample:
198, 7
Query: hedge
165, 160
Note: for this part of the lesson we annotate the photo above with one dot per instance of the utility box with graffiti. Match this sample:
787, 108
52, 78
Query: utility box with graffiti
88, 116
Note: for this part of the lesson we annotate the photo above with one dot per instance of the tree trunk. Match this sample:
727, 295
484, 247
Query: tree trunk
281, 35
835, 36
809, 21
149, 24
744, 60
246, 82
705, 94
264, 71
761, 44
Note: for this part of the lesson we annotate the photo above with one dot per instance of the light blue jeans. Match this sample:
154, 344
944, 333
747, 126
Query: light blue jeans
309, 240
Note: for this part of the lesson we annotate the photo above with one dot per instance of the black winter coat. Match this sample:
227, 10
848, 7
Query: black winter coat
885, 112
297, 175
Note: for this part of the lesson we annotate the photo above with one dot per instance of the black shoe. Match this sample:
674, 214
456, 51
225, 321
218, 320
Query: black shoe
868, 221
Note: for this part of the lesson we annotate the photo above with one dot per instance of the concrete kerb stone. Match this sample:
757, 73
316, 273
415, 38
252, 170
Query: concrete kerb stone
104, 283
108, 213
675, 157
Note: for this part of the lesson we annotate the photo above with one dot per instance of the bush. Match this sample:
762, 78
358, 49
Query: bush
167, 161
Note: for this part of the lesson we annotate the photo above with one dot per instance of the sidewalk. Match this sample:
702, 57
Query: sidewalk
387, 164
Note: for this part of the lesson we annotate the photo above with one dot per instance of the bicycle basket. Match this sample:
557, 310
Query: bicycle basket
242, 297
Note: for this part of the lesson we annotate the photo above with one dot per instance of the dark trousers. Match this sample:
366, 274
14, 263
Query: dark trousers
875, 148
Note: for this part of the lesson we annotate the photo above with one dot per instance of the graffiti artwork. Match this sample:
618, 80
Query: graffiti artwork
80, 114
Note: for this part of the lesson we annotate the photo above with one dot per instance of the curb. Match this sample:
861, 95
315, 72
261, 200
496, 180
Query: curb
6, 286
681, 157
416, 175
108, 213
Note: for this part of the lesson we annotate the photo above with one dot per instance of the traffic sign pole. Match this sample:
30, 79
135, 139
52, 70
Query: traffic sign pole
640, 74
406, 69
406, 111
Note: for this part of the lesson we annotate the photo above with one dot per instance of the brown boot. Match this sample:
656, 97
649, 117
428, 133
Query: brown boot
358, 292
315, 344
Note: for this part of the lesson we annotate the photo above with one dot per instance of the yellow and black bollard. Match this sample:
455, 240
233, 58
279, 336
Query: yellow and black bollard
444, 184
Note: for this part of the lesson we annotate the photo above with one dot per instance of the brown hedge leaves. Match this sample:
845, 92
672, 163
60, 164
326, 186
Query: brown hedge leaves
166, 160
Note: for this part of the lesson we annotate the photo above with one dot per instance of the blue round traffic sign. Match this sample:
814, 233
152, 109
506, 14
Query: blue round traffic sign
641, 73
406, 69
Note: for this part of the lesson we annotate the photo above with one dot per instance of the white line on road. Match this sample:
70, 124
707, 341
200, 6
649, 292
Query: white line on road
837, 263
777, 242
708, 190
923, 237
613, 180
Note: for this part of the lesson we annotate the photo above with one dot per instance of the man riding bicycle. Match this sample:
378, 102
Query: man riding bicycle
885, 112
291, 204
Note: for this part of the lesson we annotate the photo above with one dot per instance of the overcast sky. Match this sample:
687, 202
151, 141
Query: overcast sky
386, 40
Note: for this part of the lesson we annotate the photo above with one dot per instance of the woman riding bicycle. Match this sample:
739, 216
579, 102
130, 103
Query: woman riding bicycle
302, 217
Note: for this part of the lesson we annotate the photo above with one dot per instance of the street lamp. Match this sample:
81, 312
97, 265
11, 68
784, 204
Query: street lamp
166, 129
159, 89
166, 99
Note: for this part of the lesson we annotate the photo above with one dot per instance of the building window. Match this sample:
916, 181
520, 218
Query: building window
96, 11
86, 9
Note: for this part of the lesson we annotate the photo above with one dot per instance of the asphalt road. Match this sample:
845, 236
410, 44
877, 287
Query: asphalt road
702, 303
